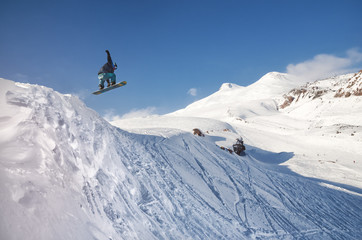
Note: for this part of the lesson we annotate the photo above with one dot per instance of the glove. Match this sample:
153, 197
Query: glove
107, 51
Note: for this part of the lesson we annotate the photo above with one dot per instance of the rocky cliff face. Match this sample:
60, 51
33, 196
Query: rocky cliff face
353, 88
337, 87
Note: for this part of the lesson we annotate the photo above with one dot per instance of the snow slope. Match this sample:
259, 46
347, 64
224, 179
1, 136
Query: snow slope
322, 129
233, 101
66, 173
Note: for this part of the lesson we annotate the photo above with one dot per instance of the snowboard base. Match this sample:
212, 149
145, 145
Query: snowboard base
117, 85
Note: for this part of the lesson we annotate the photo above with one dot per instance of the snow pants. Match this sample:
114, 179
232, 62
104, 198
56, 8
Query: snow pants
105, 76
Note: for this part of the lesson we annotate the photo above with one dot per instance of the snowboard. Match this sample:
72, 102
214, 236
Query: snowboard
117, 85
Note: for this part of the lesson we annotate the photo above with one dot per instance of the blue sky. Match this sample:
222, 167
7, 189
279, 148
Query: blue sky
171, 52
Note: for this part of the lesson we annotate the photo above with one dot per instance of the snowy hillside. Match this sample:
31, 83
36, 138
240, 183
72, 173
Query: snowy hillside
66, 173
322, 128
233, 101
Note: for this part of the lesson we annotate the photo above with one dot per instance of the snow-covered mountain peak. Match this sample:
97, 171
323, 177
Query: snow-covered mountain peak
274, 75
235, 101
273, 84
272, 78
228, 86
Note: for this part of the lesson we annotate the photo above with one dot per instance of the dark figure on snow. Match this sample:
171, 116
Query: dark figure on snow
106, 73
239, 147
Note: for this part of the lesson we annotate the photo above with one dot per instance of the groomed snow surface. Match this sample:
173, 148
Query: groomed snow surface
66, 173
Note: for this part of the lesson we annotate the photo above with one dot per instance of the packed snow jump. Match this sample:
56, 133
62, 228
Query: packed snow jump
106, 74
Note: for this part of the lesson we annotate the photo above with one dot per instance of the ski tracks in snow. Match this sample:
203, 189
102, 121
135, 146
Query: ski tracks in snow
268, 203
98, 180
300, 208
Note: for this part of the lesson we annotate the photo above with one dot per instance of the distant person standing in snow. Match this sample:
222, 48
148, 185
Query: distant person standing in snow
107, 72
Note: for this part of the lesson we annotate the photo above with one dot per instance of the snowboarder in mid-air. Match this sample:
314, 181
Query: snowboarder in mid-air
106, 73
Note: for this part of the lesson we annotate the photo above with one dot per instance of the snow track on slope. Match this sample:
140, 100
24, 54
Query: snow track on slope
66, 173
266, 203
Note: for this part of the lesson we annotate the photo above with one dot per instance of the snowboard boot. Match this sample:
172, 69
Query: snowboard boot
113, 83
100, 87
108, 83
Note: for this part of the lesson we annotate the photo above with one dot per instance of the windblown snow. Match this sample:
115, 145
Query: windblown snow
66, 173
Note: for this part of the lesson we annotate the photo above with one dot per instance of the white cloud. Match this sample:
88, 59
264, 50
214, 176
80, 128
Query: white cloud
134, 113
138, 113
192, 92
111, 115
81, 94
325, 65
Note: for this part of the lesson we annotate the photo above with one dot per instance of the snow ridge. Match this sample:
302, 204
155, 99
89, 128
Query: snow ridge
241, 102
66, 173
